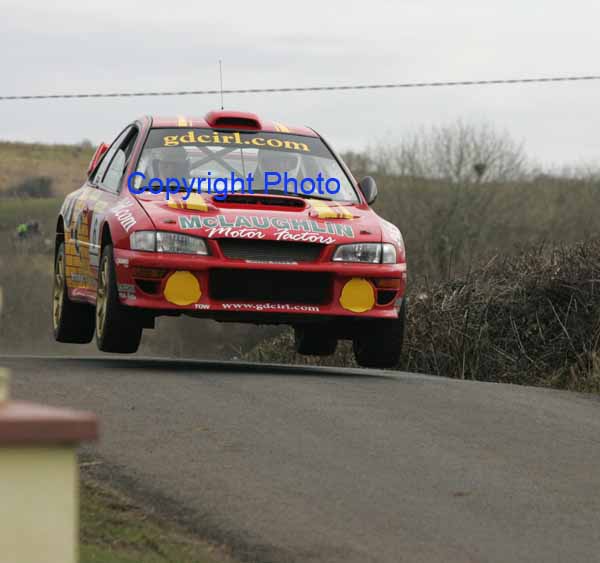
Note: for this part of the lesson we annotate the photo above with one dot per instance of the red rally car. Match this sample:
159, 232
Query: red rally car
166, 225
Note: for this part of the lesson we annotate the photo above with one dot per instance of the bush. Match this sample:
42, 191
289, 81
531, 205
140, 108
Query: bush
34, 186
531, 319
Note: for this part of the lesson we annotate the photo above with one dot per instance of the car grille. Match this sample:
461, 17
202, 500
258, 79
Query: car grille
271, 286
270, 250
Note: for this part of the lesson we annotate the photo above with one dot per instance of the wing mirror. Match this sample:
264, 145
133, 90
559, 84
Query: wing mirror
100, 151
369, 189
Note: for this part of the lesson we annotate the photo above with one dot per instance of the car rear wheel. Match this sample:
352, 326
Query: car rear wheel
379, 343
71, 322
314, 341
117, 330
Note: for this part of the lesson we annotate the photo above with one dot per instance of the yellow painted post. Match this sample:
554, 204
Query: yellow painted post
39, 482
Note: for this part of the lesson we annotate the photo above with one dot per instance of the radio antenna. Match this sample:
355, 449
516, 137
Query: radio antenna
221, 81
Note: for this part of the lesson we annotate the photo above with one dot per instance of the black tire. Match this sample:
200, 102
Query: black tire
311, 340
71, 322
117, 329
379, 343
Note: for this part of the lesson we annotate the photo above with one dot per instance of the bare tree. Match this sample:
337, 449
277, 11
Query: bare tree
359, 163
470, 160
461, 153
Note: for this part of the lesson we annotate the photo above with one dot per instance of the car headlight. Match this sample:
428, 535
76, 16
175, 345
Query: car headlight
143, 240
181, 244
162, 241
388, 253
370, 252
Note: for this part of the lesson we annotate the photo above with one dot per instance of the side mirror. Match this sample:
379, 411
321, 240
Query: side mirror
100, 151
369, 189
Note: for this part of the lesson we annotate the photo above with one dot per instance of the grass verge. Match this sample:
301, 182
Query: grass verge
113, 529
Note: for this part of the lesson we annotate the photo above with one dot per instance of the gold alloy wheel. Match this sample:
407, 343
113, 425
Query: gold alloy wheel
101, 297
58, 294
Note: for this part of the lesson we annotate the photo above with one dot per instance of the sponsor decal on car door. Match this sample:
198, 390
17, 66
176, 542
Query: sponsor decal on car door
82, 245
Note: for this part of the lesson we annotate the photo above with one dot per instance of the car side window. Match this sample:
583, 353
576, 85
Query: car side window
115, 171
112, 178
109, 156
130, 143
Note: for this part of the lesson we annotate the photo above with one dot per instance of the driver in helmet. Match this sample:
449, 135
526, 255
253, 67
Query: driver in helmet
285, 164
278, 161
172, 163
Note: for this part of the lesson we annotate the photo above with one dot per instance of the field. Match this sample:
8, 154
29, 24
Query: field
65, 165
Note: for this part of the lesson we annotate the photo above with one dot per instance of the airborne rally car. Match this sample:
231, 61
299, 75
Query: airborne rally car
234, 218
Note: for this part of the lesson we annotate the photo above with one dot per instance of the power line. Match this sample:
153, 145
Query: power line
308, 88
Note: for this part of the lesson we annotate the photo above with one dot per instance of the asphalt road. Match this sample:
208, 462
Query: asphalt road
329, 465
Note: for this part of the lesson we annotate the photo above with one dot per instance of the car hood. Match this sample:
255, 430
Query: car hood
266, 217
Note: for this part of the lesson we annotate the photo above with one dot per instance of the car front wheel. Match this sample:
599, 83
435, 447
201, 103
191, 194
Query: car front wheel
117, 330
379, 343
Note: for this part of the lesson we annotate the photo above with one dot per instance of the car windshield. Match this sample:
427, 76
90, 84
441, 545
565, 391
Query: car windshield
278, 163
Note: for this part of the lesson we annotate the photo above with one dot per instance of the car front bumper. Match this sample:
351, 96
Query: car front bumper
167, 283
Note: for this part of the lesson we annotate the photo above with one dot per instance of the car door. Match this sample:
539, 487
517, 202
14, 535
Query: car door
99, 194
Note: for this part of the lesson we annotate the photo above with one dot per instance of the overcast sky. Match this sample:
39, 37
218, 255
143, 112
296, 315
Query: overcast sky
79, 46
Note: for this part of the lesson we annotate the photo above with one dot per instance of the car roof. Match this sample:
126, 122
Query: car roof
234, 120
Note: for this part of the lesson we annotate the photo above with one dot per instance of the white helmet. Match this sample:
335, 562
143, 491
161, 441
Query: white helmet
176, 157
279, 161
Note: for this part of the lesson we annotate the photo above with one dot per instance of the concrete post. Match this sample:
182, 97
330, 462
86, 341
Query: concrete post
39, 480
